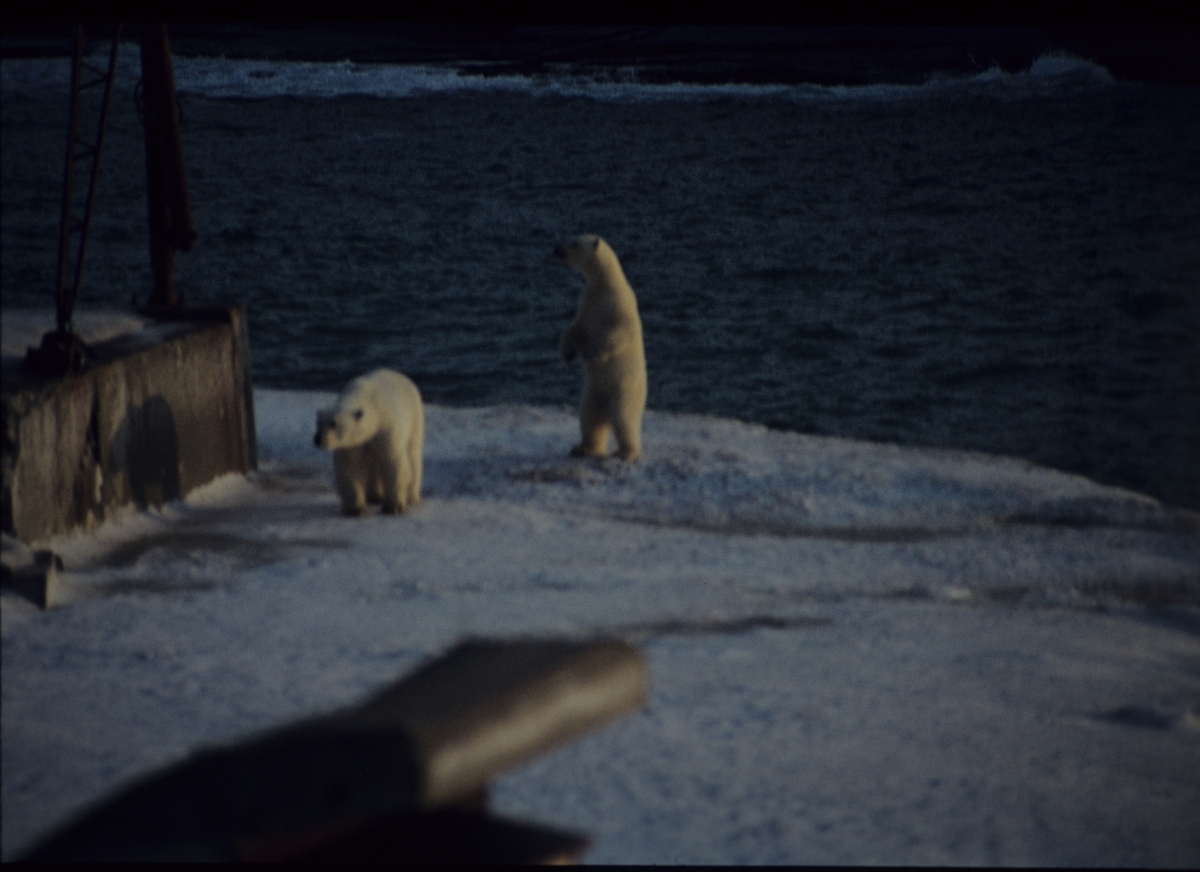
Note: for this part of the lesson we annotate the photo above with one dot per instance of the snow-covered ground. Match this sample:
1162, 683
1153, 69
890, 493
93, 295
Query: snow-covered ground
859, 653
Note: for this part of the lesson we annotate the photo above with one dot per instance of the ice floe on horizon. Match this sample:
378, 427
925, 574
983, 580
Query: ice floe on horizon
246, 78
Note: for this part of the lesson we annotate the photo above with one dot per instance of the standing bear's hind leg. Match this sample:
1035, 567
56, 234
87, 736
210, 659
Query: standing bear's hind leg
629, 437
593, 429
415, 464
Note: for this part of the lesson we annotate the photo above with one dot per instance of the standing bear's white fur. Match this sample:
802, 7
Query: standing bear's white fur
377, 435
607, 334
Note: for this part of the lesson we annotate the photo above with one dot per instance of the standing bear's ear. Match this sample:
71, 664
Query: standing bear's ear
596, 244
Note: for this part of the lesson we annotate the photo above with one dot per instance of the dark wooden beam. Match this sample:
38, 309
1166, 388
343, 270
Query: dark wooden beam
432, 741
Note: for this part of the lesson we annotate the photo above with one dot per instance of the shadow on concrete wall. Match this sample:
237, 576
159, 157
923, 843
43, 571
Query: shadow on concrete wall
145, 448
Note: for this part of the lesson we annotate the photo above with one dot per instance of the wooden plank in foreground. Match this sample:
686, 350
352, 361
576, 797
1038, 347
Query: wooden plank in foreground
444, 837
433, 739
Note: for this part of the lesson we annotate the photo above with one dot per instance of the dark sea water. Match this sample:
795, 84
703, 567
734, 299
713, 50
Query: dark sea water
1008, 263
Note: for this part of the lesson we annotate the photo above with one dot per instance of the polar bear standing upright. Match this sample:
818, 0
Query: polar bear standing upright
377, 435
607, 334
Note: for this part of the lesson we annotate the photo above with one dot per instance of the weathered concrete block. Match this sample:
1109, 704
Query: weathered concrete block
160, 412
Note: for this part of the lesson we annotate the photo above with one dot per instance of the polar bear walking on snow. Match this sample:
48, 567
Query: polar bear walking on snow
377, 435
607, 335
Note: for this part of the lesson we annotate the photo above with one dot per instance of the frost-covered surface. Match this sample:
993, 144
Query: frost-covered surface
859, 653
24, 328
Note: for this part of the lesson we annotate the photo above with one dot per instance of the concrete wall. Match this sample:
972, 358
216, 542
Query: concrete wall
160, 412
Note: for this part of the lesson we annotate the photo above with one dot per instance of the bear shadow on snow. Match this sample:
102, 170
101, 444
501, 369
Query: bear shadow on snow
145, 448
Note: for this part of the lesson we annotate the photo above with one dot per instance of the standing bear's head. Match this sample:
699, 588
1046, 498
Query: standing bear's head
579, 250
592, 256
352, 422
